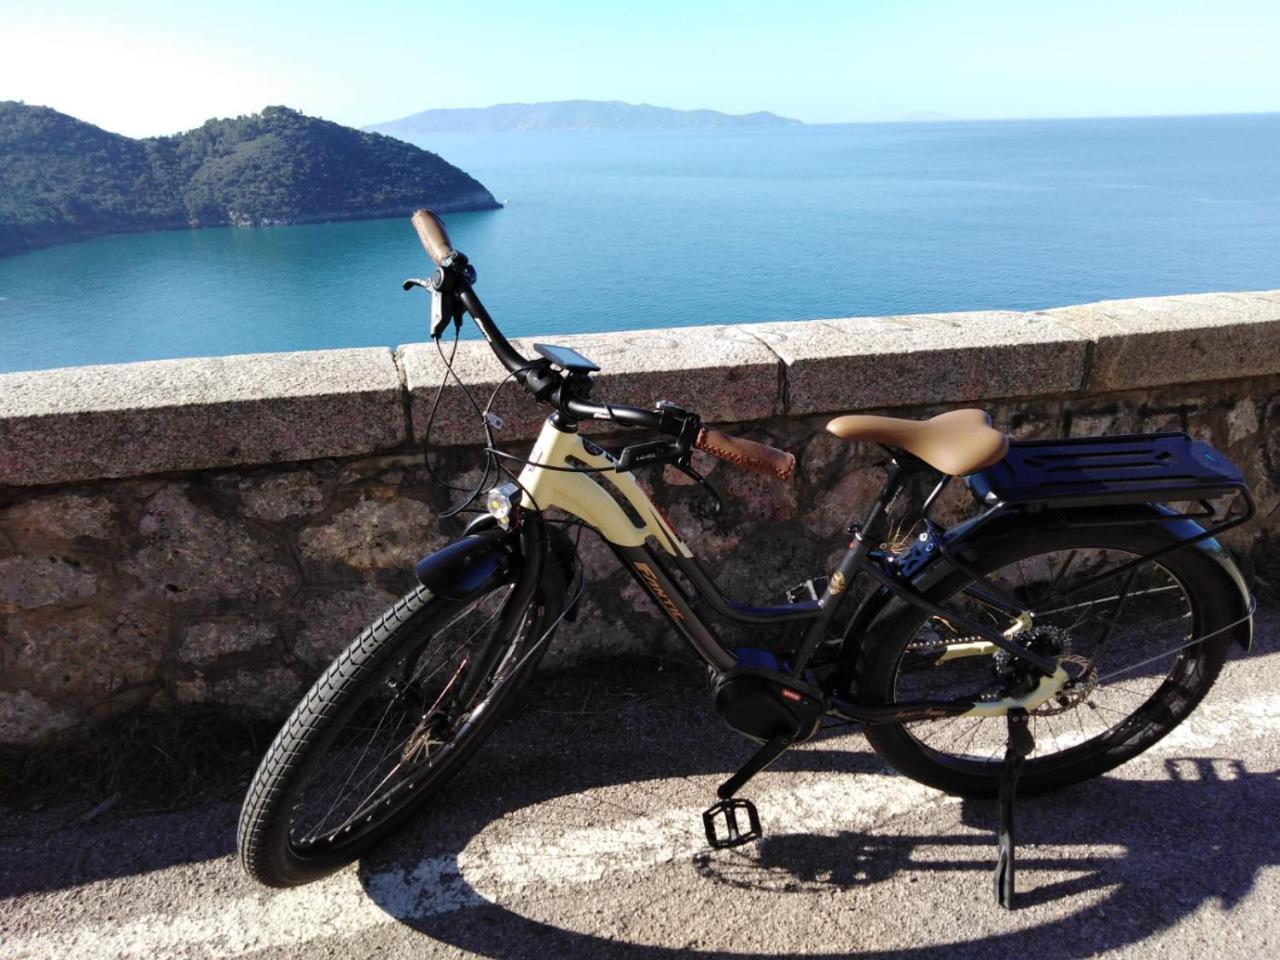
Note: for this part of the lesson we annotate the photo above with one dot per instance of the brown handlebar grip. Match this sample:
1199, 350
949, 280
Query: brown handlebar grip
747, 453
434, 237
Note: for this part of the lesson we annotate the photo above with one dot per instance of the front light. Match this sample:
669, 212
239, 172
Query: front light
501, 503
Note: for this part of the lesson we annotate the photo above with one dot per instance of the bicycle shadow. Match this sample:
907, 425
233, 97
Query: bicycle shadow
1102, 865
851, 860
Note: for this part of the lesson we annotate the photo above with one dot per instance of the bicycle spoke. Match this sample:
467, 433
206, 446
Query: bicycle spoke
377, 755
1131, 618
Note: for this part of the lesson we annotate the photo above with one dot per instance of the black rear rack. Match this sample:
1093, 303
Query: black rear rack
1113, 475
1101, 471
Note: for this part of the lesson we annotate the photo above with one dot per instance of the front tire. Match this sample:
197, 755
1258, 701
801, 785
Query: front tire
382, 730
1145, 684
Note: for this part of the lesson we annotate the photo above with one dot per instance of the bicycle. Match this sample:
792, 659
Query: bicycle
1071, 623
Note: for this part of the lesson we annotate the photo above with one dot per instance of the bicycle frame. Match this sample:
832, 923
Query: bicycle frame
548, 481
615, 505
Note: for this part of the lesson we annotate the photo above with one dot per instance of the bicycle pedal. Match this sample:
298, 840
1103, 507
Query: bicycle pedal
723, 827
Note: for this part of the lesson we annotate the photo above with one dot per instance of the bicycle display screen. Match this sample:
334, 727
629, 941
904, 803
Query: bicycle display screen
565, 358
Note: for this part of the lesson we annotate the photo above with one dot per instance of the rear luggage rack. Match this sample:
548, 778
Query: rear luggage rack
1124, 480
1101, 471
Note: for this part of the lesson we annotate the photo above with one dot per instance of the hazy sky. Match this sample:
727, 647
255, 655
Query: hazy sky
158, 67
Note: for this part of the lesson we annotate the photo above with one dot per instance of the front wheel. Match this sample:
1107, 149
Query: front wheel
1129, 638
386, 726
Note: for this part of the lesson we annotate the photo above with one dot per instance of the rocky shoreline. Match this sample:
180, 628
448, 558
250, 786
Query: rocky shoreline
332, 216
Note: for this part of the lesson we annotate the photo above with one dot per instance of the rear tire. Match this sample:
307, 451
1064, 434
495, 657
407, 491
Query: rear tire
293, 829
1183, 595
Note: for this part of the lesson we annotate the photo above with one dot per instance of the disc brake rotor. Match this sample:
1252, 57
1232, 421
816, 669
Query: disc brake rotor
1084, 680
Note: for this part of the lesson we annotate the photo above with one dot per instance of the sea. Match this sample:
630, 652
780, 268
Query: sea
638, 230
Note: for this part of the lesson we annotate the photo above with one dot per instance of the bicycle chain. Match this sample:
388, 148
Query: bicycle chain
1078, 689
924, 646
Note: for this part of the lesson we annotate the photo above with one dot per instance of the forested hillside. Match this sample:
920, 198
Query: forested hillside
62, 179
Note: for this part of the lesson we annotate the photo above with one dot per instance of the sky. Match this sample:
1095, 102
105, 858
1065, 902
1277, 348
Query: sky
144, 68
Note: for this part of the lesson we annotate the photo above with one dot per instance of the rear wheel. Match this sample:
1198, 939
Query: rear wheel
386, 726
1128, 639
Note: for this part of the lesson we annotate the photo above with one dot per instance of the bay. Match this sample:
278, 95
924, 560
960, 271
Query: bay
627, 231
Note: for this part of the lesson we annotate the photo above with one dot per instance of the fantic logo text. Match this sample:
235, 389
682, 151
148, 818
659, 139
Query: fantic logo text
652, 580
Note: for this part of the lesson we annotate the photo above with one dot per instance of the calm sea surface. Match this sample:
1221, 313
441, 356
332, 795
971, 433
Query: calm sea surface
626, 231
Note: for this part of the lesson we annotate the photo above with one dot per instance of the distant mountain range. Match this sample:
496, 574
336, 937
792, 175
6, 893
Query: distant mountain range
62, 179
585, 115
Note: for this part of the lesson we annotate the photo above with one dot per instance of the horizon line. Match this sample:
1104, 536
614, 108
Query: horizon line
840, 123
365, 127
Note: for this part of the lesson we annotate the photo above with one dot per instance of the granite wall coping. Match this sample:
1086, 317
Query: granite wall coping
1154, 341
130, 419
134, 419
854, 363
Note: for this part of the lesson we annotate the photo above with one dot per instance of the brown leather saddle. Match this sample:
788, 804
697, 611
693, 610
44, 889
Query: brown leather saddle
957, 442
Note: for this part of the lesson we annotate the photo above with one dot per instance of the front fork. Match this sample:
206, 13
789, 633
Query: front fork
533, 550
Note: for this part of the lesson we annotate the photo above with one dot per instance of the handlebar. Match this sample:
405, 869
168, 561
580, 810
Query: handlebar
453, 277
536, 376
434, 237
747, 454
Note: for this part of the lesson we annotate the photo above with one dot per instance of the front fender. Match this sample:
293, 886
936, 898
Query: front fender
487, 555
466, 567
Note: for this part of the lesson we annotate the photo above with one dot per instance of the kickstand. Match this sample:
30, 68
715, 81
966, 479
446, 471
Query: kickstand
1020, 743
720, 821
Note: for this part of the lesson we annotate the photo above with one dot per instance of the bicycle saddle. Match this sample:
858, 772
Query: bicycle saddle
957, 442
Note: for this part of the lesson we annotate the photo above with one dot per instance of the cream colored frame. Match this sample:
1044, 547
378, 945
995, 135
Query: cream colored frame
582, 494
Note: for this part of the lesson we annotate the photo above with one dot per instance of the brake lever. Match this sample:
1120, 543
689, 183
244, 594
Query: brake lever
685, 467
444, 305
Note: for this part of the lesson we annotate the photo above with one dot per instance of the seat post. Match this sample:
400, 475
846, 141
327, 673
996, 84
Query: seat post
859, 546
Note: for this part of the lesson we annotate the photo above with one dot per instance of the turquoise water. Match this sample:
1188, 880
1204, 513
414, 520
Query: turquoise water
633, 230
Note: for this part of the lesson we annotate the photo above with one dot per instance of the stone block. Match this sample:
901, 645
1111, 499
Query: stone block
129, 419
192, 554
27, 719
282, 496
848, 498
30, 582
204, 643
86, 657
60, 516
717, 372
268, 691
1155, 341
372, 534
456, 420
330, 620
860, 363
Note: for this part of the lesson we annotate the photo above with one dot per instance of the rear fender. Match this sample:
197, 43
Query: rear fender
924, 564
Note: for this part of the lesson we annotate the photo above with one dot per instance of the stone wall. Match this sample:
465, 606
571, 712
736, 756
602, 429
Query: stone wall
214, 530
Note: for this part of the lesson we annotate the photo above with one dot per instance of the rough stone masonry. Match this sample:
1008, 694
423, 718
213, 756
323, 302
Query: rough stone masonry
214, 530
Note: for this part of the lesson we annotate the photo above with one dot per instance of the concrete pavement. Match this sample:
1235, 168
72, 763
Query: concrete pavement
576, 833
